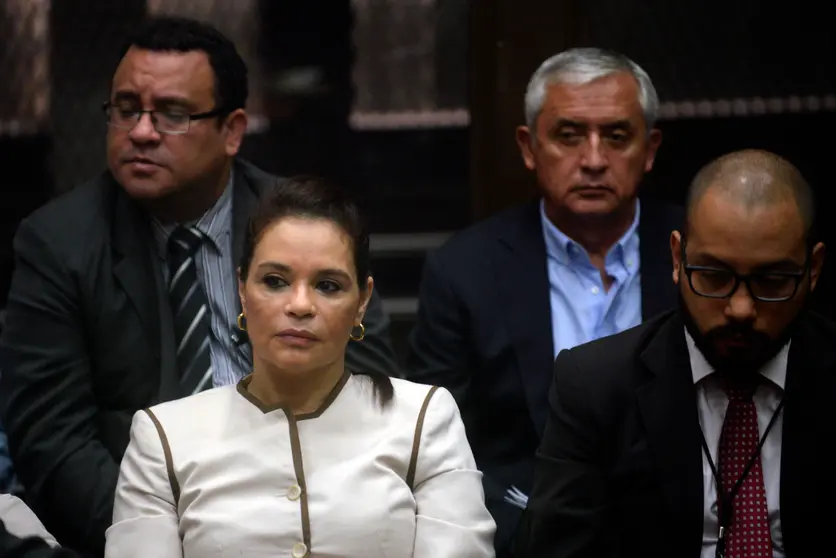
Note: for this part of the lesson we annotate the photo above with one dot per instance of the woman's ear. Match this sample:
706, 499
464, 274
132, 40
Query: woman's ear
365, 297
242, 295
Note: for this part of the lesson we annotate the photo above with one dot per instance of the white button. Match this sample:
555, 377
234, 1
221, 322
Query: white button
294, 492
594, 290
300, 550
629, 263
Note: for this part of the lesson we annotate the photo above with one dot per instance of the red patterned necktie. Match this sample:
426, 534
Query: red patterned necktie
749, 534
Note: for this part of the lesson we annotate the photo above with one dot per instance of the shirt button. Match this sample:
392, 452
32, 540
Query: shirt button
594, 290
629, 263
300, 550
294, 492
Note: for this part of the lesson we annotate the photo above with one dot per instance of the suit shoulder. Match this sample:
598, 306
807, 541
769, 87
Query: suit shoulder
72, 217
821, 327
411, 397
203, 411
410, 394
257, 177
613, 354
480, 238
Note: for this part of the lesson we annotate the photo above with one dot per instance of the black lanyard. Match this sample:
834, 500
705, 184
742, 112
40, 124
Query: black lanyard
726, 501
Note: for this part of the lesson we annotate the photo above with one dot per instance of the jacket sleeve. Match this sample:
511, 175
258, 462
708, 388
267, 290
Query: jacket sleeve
452, 521
438, 343
47, 401
567, 513
28, 547
145, 521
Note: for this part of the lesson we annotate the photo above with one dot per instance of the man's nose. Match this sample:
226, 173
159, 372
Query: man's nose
144, 131
594, 159
741, 306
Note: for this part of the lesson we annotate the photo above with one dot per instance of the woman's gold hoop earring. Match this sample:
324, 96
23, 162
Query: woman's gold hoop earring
362, 333
242, 322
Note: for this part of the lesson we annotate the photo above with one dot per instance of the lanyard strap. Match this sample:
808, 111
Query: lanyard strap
726, 500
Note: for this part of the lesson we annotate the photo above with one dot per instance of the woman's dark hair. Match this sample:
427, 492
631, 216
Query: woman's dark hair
316, 198
181, 34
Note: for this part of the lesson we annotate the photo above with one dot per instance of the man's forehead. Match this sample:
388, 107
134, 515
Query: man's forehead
751, 234
600, 101
725, 208
156, 70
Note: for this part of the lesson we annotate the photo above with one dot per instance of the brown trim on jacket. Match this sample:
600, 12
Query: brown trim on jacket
416, 440
169, 461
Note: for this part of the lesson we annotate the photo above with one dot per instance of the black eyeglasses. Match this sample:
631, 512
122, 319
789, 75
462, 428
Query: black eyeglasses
170, 121
769, 286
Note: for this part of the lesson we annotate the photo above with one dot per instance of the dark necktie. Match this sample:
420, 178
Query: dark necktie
190, 311
749, 534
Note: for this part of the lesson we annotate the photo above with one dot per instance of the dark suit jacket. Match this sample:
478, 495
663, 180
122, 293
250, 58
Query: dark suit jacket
619, 471
484, 332
32, 547
88, 341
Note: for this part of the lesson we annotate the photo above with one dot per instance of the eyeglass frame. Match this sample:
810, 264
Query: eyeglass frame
218, 111
797, 276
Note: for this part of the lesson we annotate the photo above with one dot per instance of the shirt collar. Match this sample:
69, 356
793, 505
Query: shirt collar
214, 224
775, 370
565, 250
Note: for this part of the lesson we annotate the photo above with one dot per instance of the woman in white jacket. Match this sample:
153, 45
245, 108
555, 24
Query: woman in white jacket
302, 458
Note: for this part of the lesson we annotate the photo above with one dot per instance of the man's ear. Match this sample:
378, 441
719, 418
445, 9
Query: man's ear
676, 255
234, 128
525, 140
816, 264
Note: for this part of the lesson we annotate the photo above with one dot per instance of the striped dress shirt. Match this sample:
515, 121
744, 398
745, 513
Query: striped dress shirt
216, 270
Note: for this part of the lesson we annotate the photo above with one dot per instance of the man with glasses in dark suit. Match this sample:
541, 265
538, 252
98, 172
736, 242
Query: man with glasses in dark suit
709, 430
125, 290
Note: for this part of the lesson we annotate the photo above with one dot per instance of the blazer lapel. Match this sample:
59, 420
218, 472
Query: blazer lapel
522, 277
141, 277
668, 407
133, 265
655, 225
808, 402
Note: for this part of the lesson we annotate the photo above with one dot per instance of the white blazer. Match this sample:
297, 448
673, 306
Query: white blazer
219, 474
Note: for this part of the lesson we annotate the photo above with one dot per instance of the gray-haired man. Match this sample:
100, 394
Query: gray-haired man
501, 299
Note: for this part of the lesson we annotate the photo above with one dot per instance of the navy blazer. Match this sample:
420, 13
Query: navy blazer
484, 332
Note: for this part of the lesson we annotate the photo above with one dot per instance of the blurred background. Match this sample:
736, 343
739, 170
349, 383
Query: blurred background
412, 103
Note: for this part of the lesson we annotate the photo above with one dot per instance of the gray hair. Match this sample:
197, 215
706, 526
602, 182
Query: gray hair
579, 66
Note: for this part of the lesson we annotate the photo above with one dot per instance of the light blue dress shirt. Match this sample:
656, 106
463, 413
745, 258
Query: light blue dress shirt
581, 309
216, 269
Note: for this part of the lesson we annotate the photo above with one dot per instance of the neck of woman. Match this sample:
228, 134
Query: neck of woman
301, 391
